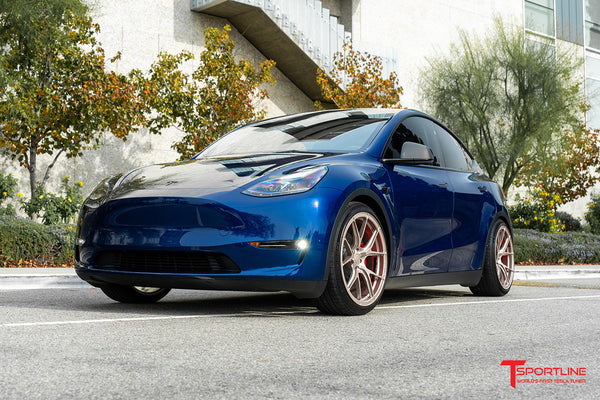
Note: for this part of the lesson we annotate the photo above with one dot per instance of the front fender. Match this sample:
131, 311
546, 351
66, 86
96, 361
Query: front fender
369, 187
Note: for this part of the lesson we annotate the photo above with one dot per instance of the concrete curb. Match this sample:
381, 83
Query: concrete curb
66, 278
43, 281
557, 274
39, 278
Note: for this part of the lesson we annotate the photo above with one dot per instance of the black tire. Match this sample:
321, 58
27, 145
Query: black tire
354, 287
498, 263
134, 294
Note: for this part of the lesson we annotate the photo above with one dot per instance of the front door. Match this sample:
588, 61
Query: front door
423, 203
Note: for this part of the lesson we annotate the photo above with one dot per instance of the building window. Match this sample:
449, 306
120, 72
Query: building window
592, 23
539, 16
569, 20
592, 88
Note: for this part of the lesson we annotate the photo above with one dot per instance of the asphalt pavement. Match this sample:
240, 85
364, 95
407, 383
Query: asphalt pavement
419, 343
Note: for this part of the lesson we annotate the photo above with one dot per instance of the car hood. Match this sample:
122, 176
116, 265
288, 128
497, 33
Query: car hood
199, 177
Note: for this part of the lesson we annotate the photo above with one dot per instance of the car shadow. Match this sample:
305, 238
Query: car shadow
399, 296
199, 302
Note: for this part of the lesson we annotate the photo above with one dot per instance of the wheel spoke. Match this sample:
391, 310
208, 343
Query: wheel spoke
359, 288
347, 245
375, 253
367, 280
347, 260
363, 228
373, 273
355, 234
372, 239
504, 244
352, 279
502, 272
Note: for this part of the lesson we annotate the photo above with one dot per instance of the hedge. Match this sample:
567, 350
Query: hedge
24, 243
532, 247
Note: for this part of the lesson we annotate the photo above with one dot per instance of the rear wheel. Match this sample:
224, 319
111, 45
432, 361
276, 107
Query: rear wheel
135, 294
499, 263
358, 263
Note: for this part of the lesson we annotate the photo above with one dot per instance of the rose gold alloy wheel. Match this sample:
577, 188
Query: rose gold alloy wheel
505, 257
363, 259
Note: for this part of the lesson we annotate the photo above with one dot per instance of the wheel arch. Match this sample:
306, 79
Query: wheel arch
369, 198
500, 214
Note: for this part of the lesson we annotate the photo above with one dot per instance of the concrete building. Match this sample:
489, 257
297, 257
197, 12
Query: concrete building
303, 34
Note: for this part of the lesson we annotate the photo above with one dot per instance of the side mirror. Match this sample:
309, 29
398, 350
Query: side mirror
413, 153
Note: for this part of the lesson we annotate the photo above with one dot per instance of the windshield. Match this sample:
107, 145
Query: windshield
339, 131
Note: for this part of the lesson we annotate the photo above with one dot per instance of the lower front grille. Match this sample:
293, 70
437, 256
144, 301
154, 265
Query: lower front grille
167, 262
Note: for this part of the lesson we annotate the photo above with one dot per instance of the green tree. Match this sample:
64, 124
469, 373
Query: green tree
508, 98
356, 81
218, 96
55, 95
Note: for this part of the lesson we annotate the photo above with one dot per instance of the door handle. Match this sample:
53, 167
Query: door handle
482, 188
443, 185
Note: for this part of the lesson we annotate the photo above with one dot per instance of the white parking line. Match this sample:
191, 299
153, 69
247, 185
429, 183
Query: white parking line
167, 317
488, 302
100, 321
263, 313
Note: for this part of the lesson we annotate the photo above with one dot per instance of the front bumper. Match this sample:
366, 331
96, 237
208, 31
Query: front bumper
301, 289
219, 224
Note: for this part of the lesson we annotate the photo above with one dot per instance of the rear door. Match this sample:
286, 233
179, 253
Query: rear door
469, 201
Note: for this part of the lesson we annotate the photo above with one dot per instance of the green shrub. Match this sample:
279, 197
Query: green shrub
536, 211
8, 210
7, 190
592, 215
24, 243
7, 186
54, 208
570, 223
533, 247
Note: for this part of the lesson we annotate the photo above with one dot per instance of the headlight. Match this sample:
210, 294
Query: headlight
101, 191
296, 182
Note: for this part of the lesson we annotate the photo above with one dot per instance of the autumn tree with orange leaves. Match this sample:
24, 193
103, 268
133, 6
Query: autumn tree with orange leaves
357, 81
218, 96
568, 167
55, 96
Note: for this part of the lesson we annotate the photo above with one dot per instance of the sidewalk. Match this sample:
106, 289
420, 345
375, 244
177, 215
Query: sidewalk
39, 278
543, 272
57, 278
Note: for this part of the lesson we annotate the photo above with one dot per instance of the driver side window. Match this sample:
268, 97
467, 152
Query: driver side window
417, 130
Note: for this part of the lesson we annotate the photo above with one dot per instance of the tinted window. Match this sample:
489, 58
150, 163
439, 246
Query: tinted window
455, 156
417, 130
340, 131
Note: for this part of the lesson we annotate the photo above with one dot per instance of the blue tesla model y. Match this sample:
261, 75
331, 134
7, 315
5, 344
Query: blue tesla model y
332, 205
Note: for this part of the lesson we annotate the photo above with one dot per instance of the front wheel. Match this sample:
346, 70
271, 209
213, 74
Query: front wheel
499, 263
135, 294
357, 262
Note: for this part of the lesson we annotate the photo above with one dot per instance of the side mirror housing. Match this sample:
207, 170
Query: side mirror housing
412, 153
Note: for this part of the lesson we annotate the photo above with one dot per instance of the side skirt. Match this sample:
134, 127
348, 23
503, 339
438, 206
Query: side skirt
464, 278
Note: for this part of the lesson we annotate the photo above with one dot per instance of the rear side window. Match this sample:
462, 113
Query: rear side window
455, 156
